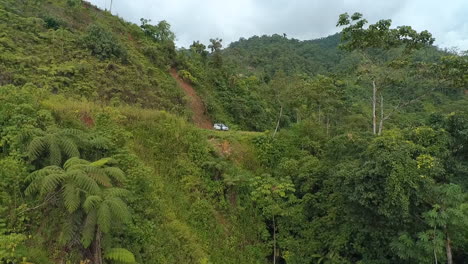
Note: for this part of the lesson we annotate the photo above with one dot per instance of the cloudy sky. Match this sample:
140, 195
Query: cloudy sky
201, 20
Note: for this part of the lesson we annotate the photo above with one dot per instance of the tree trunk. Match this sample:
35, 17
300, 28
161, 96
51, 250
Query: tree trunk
381, 115
435, 253
110, 9
319, 113
374, 103
328, 125
97, 248
278, 123
448, 248
274, 241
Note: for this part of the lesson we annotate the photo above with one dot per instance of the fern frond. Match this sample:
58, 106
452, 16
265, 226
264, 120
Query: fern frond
92, 169
69, 147
116, 192
69, 230
72, 132
36, 147
101, 178
120, 255
104, 217
115, 173
74, 161
98, 142
27, 134
51, 182
84, 182
87, 235
71, 197
36, 178
91, 202
55, 154
119, 209
32, 188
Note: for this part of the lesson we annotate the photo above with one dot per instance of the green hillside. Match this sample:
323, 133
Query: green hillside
268, 54
70, 48
345, 149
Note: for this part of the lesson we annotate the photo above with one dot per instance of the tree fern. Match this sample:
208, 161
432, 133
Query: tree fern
87, 193
103, 211
56, 144
120, 255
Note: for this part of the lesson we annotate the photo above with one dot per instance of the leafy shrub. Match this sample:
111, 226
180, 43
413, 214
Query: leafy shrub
187, 76
53, 23
8, 245
103, 44
156, 54
73, 3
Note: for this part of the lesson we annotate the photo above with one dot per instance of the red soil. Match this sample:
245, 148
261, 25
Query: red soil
199, 117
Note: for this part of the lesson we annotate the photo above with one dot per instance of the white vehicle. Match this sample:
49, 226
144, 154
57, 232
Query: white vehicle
219, 126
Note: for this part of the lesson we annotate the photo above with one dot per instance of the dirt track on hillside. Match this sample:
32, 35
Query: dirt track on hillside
199, 118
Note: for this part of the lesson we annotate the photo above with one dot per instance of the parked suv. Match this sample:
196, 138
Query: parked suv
219, 126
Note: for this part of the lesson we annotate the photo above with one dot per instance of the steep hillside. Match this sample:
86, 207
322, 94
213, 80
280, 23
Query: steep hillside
72, 48
84, 93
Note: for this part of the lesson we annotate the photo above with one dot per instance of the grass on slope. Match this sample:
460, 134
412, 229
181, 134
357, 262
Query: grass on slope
189, 205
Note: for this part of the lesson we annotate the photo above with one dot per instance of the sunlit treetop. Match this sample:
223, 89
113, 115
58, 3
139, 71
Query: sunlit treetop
357, 36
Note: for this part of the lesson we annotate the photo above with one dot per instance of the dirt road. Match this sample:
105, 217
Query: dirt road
199, 118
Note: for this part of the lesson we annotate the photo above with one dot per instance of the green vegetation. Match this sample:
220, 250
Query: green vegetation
346, 149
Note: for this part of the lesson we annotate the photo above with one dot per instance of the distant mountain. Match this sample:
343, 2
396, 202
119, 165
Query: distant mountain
269, 54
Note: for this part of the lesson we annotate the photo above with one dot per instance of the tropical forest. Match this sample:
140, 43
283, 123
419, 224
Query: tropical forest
351, 148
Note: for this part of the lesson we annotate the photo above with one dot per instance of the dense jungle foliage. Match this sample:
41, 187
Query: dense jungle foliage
346, 149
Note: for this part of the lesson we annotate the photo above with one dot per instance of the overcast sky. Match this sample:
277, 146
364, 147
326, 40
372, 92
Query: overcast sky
201, 20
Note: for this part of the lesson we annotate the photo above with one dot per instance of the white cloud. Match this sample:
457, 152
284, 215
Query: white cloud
304, 19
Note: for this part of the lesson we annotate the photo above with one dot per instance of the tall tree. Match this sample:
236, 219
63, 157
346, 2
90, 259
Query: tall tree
272, 196
374, 43
215, 47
